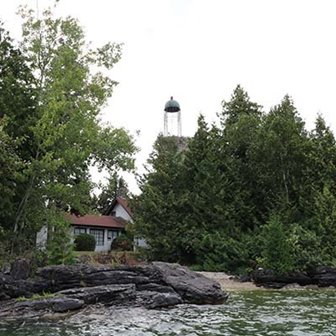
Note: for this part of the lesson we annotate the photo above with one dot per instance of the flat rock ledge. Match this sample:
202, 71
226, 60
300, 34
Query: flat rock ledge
71, 288
319, 277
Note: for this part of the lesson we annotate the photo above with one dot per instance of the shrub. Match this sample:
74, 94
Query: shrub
122, 243
85, 242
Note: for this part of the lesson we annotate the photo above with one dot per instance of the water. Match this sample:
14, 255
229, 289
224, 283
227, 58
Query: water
274, 313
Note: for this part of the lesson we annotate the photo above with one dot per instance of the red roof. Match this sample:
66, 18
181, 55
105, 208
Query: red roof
94, 220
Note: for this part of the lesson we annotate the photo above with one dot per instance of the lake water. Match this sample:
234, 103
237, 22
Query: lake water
275, 313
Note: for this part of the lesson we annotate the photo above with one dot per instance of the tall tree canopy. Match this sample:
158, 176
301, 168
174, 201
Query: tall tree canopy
53, 89
256, 181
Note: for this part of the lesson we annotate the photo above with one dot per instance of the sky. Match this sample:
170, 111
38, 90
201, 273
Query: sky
198, 51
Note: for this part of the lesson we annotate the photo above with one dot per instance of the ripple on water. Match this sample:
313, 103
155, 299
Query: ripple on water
271, 313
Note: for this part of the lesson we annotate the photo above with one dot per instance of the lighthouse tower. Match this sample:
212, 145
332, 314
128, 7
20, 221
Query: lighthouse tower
172, 118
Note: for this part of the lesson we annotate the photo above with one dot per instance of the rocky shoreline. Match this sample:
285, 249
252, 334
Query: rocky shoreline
73, 288
320, 277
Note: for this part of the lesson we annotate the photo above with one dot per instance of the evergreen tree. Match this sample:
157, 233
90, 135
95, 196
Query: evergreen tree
280, 157
116, 186
241, 119
209, 215
157, 211
277, 248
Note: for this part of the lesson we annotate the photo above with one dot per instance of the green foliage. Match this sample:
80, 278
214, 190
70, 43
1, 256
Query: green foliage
256, 190
307, 248
122, 243
324, 224
158, 210
52, 90
116, 186
60, 248
219, 252
37, 297
85, 242
277, 250
9, 177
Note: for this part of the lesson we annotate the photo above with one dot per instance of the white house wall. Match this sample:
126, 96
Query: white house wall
42, 238
107, 243
121, 212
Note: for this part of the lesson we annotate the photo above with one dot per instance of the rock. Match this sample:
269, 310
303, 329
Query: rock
65, 277
153, 300
4, 296
15, 288
57, 304
153, 286
158, 277
324, 276
292, 286
20, 269
245, 278
111, 294
6, 268
192, 287
269, 279
61, 305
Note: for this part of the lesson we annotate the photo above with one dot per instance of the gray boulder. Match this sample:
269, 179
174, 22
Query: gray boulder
191, 286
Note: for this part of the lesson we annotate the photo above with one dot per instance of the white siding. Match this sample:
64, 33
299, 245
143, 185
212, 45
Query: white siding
121, 212
107, 242
42, 238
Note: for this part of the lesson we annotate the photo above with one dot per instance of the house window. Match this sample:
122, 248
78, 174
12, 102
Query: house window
112, 234
99, 236
79, 230
113, 213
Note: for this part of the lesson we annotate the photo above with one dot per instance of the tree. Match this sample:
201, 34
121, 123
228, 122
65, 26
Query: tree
11, 164
157, 211
323, 223
207, 197
66, 136
239, 105
240, 121
279, 156
116, 186
323, 155
277, 248
16, 118
61, 248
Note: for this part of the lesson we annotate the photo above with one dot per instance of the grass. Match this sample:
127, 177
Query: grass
37, 297
113, 258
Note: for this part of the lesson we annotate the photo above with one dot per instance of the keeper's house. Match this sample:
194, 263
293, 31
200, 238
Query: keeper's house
104, 228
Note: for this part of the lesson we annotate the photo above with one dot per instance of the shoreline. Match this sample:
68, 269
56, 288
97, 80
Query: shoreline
228, 283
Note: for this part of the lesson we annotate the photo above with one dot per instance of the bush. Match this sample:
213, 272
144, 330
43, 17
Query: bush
85, 242
122, 243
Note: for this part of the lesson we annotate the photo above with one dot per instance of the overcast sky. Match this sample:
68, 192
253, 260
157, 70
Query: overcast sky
199, 50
